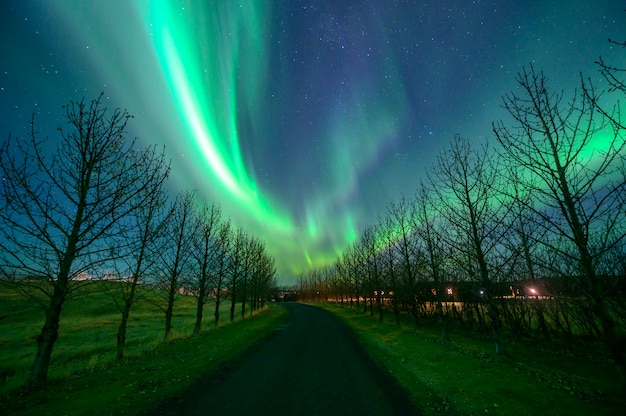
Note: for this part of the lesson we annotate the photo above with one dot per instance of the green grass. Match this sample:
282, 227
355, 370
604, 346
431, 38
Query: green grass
84, 377
464, 376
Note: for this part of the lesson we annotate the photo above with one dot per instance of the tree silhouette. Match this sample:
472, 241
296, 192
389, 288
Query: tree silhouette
466, 184
205, 249
578, 191
61, 210
175, 256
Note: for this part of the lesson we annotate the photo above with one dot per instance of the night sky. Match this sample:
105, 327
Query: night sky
303, 120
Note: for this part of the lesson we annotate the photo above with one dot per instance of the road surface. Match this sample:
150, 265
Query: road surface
312, 365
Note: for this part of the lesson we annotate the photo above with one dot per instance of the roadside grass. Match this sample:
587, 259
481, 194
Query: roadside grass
84, 377
464, 376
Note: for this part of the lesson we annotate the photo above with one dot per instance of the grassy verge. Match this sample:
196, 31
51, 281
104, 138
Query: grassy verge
88, 330
85, 379
464, 376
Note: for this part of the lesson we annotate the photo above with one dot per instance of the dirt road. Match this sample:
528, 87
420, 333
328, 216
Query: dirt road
312, 365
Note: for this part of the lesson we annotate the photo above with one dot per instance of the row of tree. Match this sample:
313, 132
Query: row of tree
183, 249
96, 207
544, 212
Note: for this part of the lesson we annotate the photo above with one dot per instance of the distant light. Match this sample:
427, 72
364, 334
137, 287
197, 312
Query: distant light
449, 290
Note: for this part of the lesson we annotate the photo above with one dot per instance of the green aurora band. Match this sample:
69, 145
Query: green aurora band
195, 74
215, 67
204, 83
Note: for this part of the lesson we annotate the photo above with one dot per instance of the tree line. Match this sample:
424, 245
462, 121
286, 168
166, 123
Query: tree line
526, 237
96, 208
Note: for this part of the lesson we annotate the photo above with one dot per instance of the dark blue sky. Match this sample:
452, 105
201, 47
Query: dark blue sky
302, 119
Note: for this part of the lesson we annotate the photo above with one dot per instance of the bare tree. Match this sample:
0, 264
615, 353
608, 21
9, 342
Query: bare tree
61, 208
612, 74
236, 267
425, 224
524, 245
205, 249
401, 215
370, 248
344, 280
176, 254
269, 282
252, 251
263, 278
143, 234
390, 236
352, 269
223, 245
579, 190
359, 258
467, 188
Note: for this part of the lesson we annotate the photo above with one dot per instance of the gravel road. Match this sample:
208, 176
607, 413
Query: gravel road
311, 365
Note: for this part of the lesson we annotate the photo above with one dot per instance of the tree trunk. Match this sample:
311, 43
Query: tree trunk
243, 301
414, 314
46, 339
615, 343
218, 298
121, 331
396, 308
128, 303
199, 308
233, 301
201, 299
443, 322
494, 320
169, 312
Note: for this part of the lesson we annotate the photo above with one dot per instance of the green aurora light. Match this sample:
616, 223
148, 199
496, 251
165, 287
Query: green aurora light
214, 67
303, 120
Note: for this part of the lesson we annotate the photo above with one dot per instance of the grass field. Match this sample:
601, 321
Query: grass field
459, 377
84, 377
465, 377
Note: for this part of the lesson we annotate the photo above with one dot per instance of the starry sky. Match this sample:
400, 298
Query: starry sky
302, 119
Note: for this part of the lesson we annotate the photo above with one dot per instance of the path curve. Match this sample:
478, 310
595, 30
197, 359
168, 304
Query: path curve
311, 365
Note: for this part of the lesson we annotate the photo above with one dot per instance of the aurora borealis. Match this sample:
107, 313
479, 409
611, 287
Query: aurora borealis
303, 120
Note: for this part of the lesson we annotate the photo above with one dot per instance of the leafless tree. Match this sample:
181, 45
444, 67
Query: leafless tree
143, 235
343, 274
428, 232
236, 266
61, 208
352, 267
359, 259
390, 236
268, 279
175, 255
574, 166
370, 249
252, 254
223, 246
401, 216
523, 245
204, 250
344, 280
263, 279
466, 185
